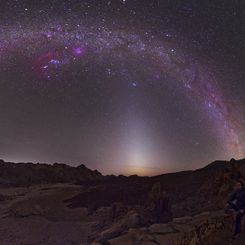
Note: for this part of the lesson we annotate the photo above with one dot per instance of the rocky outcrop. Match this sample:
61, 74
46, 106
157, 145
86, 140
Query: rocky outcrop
205, 228
205, 189
130, 220
158, 204
24, 174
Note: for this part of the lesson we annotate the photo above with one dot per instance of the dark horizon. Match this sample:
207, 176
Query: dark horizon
127, 175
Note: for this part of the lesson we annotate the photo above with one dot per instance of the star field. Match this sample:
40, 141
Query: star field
125, 87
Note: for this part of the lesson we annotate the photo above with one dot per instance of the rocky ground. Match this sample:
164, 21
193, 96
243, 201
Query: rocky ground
39, 215
205, 228
228, 241
176, 208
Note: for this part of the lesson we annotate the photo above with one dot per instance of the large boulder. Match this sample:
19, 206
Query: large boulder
206, 228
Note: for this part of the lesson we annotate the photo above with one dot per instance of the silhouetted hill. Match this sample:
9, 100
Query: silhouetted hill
29, 173
196, 190
190, 192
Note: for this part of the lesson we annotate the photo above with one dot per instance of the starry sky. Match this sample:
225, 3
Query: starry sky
123, 86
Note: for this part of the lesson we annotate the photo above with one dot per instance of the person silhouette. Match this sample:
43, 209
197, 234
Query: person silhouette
236, 203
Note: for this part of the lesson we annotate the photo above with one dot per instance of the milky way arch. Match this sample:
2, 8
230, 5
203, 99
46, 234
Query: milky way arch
51, 49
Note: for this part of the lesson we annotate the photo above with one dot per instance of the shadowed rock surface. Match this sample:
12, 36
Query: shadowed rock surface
59, 204
190, 192
205, 228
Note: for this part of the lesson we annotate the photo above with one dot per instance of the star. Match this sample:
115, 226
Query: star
134, 84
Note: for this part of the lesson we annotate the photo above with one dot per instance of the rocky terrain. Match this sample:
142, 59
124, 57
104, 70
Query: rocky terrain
59, 204
205, 228
25, 174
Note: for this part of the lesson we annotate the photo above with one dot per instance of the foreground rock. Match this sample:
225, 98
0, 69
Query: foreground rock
113, 210
205, 228
40, 215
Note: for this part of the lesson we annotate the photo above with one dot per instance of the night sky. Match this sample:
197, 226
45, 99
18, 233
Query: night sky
126, 87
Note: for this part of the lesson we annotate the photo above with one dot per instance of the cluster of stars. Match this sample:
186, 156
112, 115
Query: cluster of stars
90, 45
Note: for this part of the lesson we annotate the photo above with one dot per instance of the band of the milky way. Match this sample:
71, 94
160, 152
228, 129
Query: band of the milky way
122, 86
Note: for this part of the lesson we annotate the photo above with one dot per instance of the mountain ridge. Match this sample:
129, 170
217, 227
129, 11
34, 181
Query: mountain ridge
34, 173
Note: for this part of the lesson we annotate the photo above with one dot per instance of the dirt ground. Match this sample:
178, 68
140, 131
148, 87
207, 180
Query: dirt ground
39, 215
